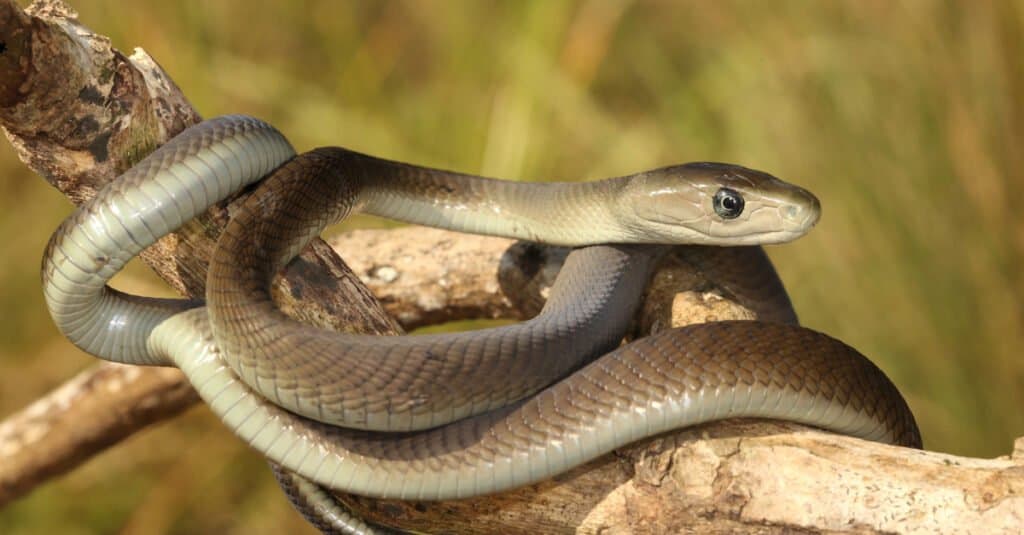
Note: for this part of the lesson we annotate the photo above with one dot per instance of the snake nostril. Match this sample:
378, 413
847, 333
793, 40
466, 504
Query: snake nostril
813, 213
803, 212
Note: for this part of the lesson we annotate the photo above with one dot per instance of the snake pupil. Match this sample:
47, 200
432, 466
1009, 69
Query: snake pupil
728, 204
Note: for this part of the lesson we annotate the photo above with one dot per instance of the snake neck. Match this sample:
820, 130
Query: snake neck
541, 212
328, 183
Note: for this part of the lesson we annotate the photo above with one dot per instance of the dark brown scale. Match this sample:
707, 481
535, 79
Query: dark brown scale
785, 357
396, 383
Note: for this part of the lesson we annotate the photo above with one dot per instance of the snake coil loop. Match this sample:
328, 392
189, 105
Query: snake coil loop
493, 409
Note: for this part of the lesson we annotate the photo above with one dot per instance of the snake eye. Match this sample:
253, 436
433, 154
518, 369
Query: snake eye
728, 204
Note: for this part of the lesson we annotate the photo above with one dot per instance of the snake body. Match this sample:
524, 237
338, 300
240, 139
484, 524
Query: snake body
248, 361
666, 381
409, 382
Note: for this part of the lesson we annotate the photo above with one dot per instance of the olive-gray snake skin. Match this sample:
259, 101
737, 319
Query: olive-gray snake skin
484, 411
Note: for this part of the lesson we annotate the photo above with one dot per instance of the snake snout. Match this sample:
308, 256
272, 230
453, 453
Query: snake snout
804, 212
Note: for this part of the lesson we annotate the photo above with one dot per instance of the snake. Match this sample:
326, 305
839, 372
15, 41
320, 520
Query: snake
483, 411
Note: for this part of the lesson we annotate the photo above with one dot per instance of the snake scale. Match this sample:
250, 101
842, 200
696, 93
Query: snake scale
483, 411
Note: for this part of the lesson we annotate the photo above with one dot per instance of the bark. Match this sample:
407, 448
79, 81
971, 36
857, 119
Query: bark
744, 477
79, 112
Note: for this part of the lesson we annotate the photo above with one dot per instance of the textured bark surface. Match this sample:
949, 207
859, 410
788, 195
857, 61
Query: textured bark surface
746, 477
91, 412
78, 112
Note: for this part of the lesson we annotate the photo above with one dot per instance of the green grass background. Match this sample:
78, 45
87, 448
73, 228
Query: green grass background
905, 118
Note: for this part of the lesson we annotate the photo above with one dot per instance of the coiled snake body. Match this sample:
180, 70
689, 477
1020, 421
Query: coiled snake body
473, 398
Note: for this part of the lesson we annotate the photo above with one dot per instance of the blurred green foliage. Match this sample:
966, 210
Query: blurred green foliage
906, 119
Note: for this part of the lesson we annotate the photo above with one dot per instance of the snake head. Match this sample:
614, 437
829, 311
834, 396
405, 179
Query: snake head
716, 204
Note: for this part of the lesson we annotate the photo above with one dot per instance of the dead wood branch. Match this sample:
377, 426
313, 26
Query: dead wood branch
79, 112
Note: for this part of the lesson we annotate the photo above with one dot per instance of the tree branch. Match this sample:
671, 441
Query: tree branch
743, 477
79, 112
93, 411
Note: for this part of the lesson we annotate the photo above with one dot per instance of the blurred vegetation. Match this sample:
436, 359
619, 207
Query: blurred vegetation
905, 118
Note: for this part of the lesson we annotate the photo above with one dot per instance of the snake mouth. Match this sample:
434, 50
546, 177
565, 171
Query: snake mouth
770, 237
